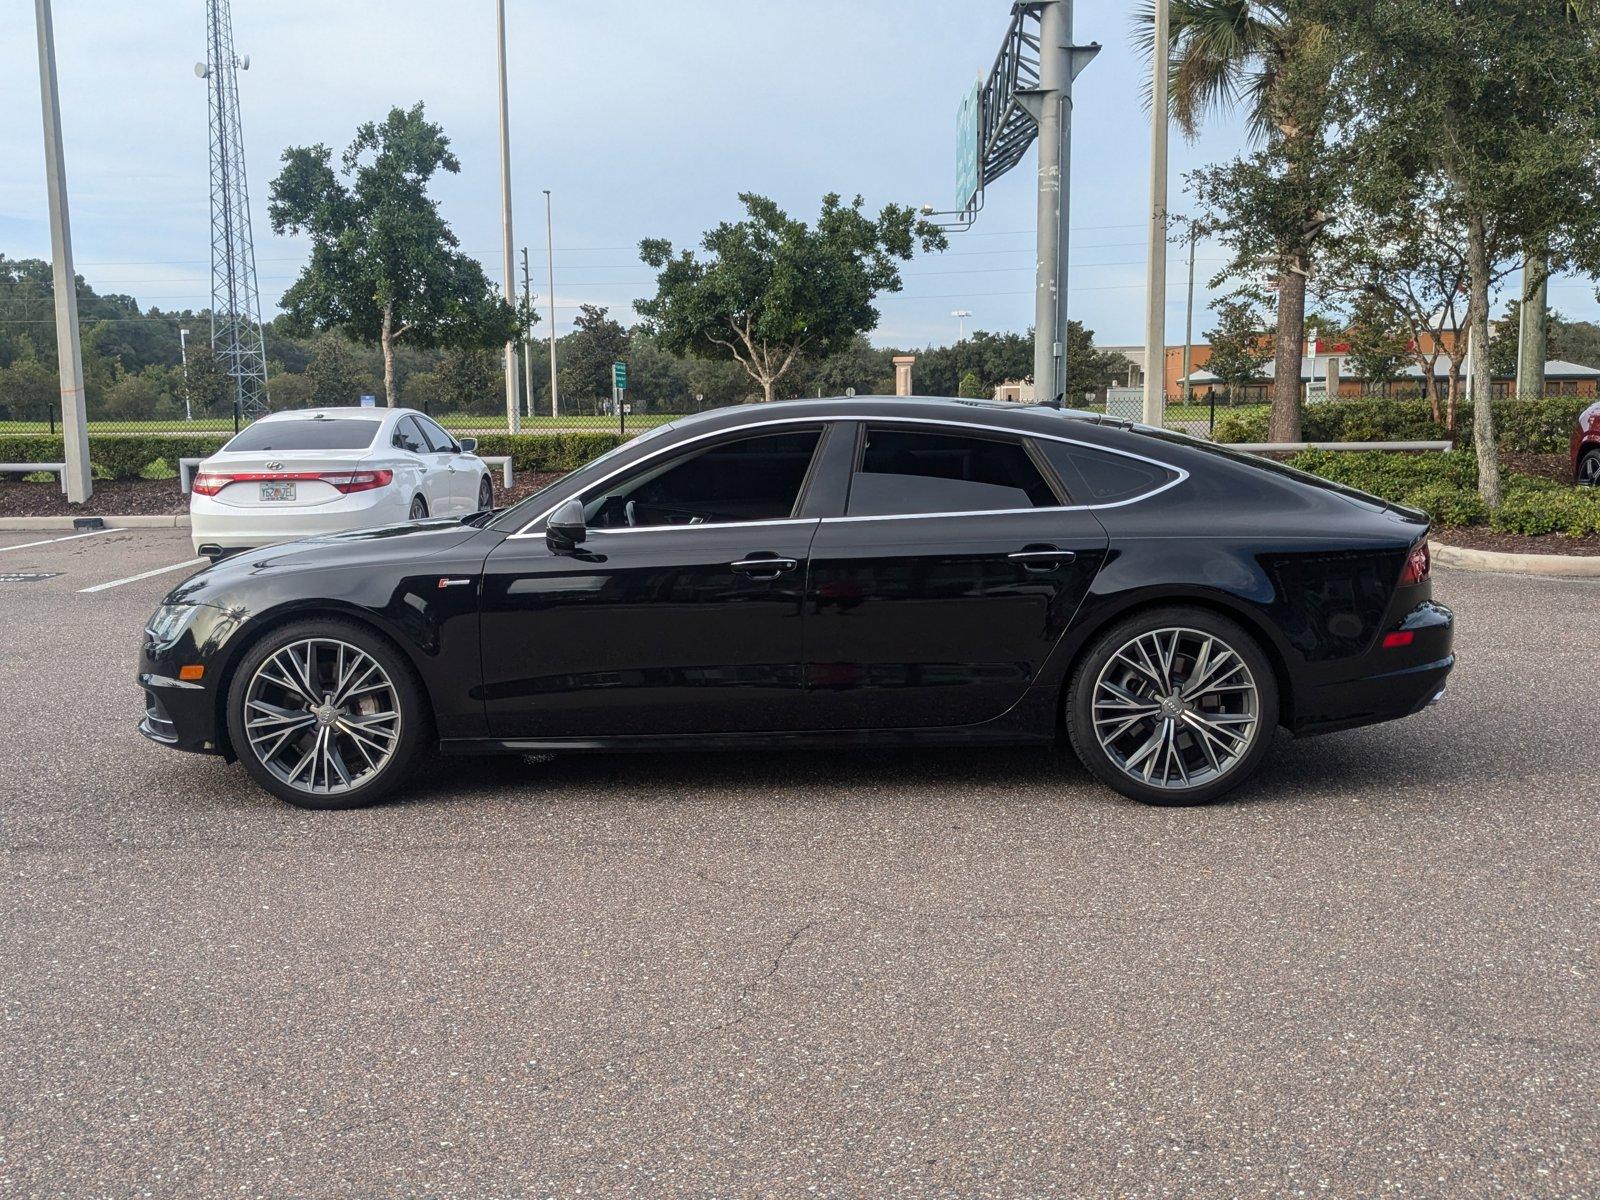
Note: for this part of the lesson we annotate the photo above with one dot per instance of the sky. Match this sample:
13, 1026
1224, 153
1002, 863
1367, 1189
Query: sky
643, 119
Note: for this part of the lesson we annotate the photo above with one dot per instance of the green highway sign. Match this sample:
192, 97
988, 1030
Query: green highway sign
619, 375
968, 119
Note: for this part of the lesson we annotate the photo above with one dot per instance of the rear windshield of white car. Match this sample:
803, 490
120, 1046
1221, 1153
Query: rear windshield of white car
319, 433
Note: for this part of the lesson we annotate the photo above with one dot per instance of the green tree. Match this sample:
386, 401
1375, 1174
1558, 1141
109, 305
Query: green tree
1494, 102
468, 380
1380, 343
772, 288
29, 388
1272, 61
585, 356
972, 387
385, 266
1239, 344
209, 386
1397, 245
336, 372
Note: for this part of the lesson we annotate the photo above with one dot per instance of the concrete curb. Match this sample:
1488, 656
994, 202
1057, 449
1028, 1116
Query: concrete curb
1572, 566
51, 524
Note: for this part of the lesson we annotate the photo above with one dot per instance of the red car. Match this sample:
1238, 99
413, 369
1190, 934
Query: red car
1586, 447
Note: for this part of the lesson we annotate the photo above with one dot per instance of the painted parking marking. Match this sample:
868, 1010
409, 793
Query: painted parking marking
101, 587
51, 541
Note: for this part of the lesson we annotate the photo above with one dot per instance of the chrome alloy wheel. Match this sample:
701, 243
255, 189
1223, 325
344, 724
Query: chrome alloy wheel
1176, 708
322, 716
1589, 469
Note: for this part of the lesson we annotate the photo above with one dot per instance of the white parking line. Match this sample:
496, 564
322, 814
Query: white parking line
49, 541
101, 587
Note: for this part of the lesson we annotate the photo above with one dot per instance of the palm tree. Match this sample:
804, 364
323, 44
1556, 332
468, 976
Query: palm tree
1234, 55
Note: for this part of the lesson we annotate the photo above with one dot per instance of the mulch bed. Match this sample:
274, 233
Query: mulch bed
1551, 466
161, 497
1480, 538
137, 497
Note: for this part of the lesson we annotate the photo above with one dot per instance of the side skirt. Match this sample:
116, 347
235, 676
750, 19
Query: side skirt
820, 740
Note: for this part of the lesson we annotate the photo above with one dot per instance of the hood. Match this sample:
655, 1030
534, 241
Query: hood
384, 545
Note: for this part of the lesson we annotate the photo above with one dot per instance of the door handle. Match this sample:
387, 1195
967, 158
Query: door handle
764, 567
1043, 558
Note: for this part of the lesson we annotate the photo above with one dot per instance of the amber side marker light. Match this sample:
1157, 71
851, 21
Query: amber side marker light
192, 673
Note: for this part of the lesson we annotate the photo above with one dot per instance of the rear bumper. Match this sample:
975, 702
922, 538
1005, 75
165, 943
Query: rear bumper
238, 528
1388, 683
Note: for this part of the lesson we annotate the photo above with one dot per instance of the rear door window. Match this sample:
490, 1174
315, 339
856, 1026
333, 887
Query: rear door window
408, 437
910, 472
312, 433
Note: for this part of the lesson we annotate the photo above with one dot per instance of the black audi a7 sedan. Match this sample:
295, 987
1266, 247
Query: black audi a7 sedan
851, 572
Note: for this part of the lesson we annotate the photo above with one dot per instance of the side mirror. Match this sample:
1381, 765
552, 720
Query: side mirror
469, 445
566, 527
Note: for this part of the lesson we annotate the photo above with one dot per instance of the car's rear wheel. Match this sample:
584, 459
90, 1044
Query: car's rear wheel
485, 494
1173, 706
419, 508
1589, 468
327, 714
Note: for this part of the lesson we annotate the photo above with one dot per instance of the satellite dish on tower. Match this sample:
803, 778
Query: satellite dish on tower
200, 70
244, 63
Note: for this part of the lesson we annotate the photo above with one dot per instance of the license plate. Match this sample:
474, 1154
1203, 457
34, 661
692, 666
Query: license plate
277, 491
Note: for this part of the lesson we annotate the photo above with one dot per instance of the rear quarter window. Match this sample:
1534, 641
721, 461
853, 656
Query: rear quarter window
313, 433
1094, 477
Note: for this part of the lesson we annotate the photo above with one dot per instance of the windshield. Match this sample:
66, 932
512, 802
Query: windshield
312, 433
528, 507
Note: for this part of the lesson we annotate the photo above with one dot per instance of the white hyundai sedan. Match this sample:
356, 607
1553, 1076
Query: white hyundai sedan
323, 470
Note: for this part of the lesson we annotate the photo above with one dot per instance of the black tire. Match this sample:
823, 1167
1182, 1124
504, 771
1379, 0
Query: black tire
485, 494
1589, 468
419, 508
1224, 706
412, 733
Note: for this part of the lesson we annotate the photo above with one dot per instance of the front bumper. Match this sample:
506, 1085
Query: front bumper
179, 715
1385, 684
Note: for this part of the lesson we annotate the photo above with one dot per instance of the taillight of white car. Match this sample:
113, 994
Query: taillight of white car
209, 483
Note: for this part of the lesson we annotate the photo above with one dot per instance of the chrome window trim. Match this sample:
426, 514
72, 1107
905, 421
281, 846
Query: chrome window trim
599, 530
1180, 474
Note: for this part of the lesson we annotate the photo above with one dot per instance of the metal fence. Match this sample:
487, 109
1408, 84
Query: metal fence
592, 416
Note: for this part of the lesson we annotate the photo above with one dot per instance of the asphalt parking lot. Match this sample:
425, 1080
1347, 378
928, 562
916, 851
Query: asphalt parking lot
958, 973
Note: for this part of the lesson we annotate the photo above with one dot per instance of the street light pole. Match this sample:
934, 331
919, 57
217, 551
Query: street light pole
550, 260
69, 346
1155, 318
1188, 321
513, 411
961, 315
527, 337
183, 353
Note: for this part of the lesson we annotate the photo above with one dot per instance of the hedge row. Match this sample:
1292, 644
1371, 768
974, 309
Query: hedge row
1445, 487
1525, 426
144, 456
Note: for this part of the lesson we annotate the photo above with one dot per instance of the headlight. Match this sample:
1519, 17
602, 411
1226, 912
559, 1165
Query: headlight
169, 621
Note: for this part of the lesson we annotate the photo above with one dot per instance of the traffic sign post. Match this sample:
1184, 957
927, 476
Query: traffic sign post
619, 385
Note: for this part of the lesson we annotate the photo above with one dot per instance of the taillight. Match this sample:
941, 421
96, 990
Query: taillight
1418, 563
210, 483
357, 481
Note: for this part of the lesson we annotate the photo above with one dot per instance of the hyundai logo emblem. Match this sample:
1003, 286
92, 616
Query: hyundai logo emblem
274, 466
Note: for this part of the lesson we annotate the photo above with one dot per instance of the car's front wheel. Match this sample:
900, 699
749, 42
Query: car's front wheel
1173, 706
485, 494
327, 714
1589, 468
